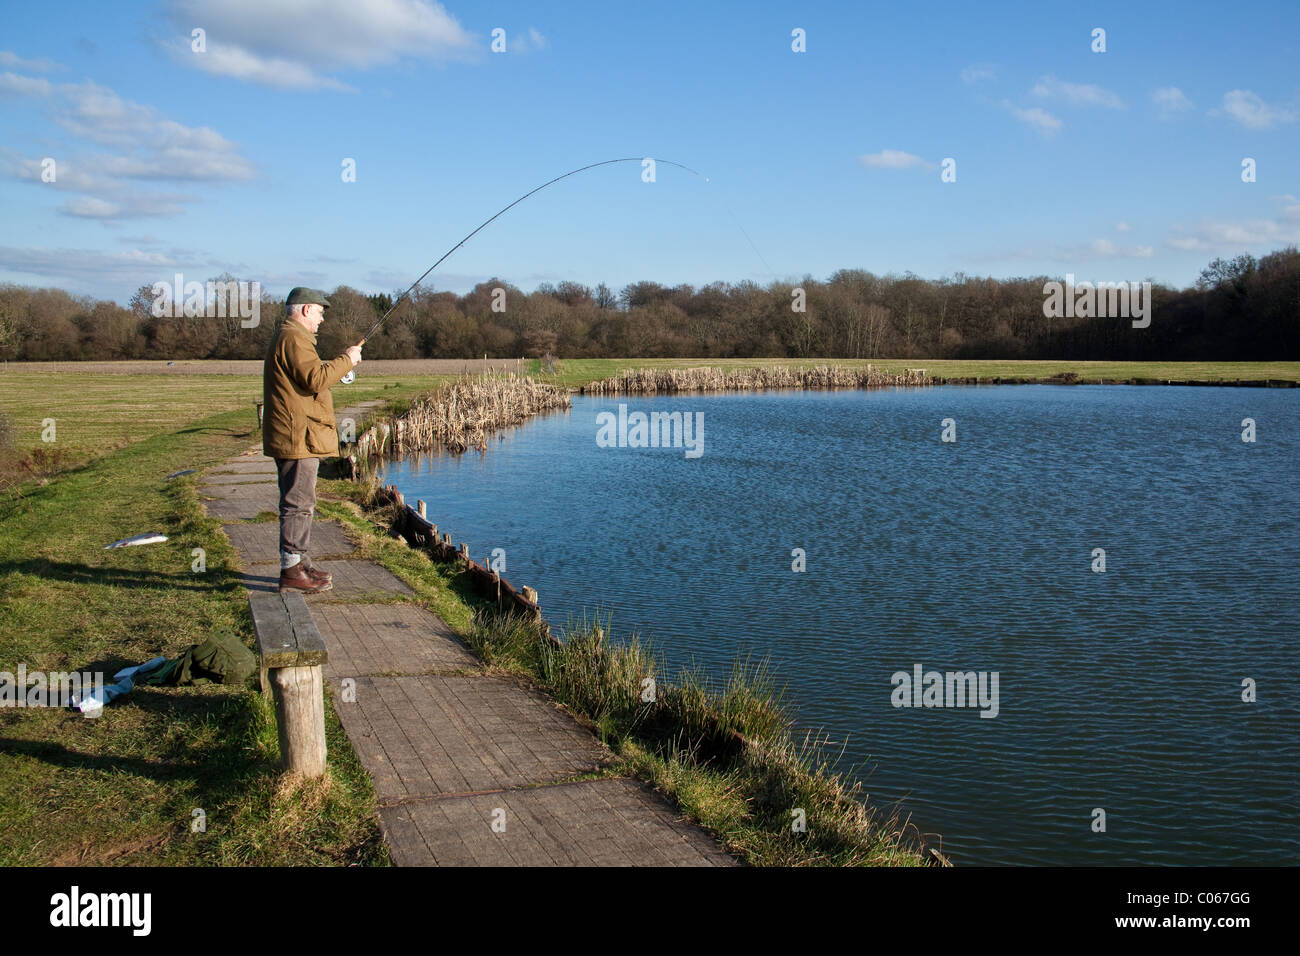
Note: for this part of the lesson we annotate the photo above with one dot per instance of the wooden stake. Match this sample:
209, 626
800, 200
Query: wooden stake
300, 714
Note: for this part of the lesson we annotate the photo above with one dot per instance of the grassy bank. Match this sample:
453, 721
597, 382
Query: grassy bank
122, 788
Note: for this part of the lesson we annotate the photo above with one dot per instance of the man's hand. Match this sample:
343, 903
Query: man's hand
354, 353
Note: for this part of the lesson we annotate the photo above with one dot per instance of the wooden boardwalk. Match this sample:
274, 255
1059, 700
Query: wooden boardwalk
469, 769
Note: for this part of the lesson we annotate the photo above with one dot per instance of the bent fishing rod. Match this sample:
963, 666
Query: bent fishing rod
609, 162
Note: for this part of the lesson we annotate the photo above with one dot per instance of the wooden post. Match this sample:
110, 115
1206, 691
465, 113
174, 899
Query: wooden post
292, 655
422, 508
464, 550
530, 594
259, 415
300, 713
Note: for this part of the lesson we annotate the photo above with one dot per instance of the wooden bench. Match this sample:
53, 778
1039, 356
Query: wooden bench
292, 653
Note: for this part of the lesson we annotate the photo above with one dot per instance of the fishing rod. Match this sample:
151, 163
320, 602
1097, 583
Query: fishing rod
609, 162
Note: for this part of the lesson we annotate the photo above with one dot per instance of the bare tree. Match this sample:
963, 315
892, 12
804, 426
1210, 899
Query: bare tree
10, 334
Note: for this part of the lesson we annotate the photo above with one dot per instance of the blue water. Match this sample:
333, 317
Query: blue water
1118, 690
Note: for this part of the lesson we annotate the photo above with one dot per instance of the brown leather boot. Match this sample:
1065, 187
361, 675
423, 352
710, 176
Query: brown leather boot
297, 579
316, 574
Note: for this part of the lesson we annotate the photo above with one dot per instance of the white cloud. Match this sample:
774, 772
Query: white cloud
33, 87
1232, 236
100, 273
130, 205
285, 44
123, 146
240, 64
1170, 100
92, 208
893, 159
87, 268
1123, 227
1076, 94
977, 74
1101, 249
1251, 111
14, 62
1039, 119
1074, 252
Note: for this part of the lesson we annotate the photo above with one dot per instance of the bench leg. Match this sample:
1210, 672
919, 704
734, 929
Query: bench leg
299, 694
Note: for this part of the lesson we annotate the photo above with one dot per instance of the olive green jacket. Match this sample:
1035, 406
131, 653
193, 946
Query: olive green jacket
298, 410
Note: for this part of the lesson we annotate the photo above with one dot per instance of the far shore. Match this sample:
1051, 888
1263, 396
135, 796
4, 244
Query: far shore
575, 373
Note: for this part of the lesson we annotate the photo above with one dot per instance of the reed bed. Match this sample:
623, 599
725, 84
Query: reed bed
461, 416
667, 381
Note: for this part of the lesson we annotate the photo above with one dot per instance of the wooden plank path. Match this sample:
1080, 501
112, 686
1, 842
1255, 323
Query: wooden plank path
469, 769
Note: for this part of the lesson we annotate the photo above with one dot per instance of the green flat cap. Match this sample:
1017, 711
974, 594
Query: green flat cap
301, 295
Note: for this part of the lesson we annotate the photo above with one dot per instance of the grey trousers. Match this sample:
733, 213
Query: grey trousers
297, 478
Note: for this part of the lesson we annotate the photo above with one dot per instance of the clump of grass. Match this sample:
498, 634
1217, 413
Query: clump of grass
505, 642
605, 681
748, 707
44, 462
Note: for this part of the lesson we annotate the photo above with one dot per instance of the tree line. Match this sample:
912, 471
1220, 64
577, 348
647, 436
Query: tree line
1242, 308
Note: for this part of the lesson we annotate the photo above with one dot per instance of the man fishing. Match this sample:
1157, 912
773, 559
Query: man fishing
298, 413
298, 428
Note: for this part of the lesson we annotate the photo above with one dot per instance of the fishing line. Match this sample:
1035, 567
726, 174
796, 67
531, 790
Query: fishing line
486, 222
746, 235
573, 172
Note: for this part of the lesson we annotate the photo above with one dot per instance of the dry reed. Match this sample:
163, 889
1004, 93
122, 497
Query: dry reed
667, 381
460, 416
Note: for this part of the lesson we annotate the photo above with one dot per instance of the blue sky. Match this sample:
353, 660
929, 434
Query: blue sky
1120, 165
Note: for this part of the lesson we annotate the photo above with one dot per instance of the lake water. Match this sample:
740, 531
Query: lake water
1119, 690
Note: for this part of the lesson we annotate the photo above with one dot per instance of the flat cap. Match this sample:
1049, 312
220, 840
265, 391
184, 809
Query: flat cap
301, 295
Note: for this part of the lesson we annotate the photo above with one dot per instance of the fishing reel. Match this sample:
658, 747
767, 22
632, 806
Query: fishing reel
349, 378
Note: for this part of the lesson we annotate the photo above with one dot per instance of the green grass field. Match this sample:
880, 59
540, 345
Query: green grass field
98, 413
